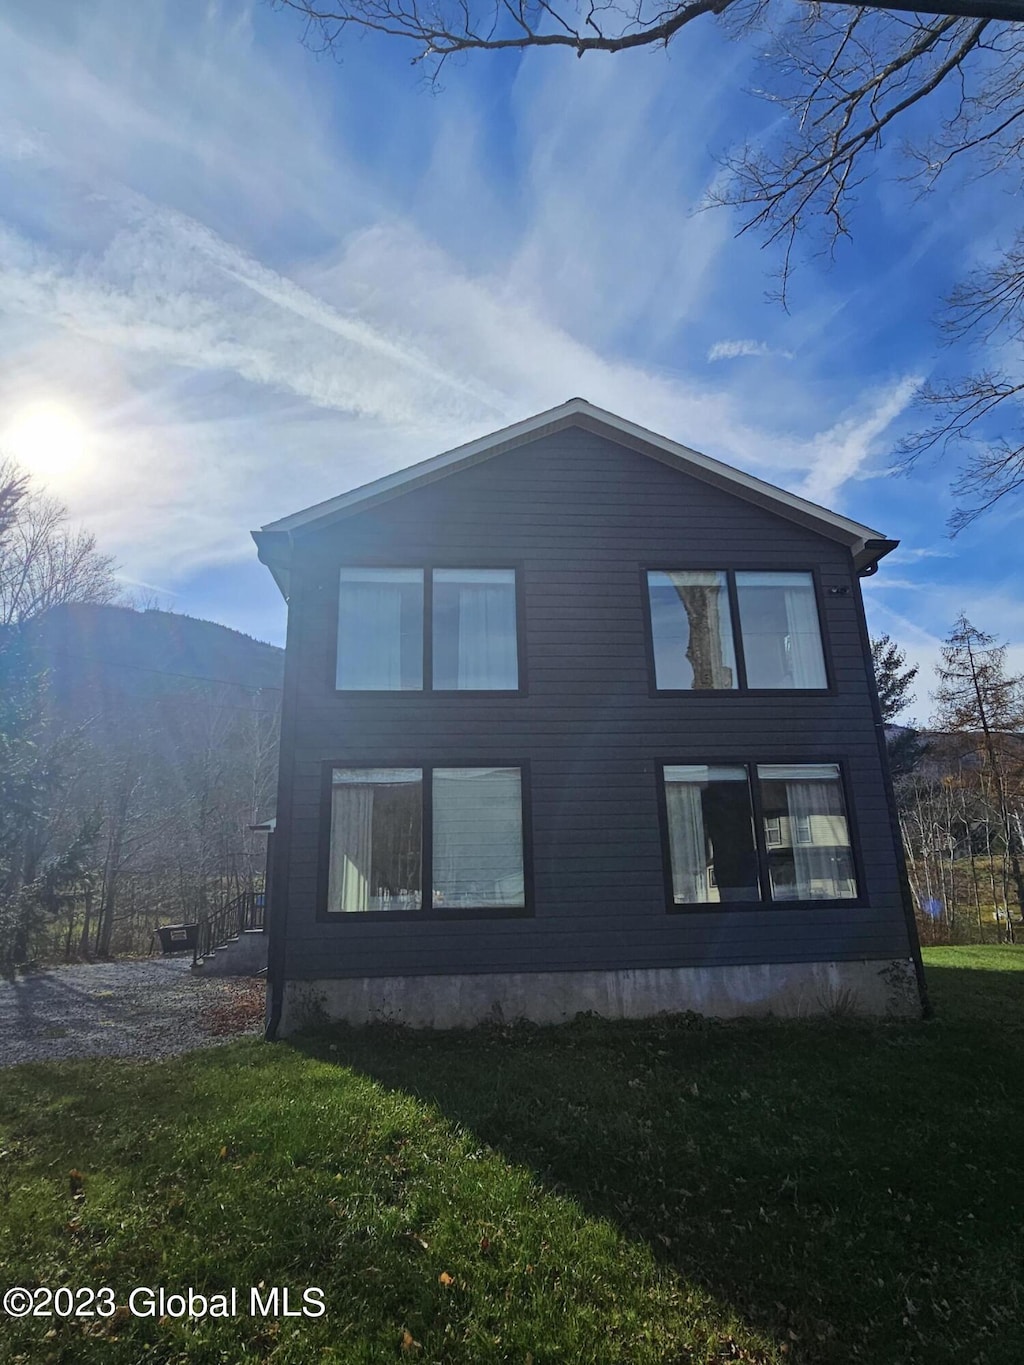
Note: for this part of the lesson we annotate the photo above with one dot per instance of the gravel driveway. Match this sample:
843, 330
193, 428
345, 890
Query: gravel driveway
143, 1008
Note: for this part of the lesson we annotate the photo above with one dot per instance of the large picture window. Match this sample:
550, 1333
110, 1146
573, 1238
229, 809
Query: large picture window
394, 831
776, 832
716, 630
416, 629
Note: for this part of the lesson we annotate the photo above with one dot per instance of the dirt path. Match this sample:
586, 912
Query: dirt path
142, 1008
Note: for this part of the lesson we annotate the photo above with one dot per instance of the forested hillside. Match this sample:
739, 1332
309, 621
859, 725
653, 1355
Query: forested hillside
165, 733
136, 748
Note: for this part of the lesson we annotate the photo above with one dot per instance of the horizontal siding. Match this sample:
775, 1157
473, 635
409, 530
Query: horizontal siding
581, 518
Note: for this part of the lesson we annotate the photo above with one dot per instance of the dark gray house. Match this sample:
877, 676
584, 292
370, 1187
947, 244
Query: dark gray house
577, 718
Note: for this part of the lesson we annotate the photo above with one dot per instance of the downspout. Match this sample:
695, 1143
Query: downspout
890, 795
281, 872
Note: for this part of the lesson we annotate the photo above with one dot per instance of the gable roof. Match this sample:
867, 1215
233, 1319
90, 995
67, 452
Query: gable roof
867, 546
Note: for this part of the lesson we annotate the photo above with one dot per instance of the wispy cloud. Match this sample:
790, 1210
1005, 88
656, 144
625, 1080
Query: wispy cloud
256, 299
924, 552
845, 449
733, 350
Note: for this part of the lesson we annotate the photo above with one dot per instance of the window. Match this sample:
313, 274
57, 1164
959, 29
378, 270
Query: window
386, 842
814, 860
715, 856
779, 626
692, 630
380, 630
376, 841
474, 635
478, 837
711, 835
386, 634
715, 630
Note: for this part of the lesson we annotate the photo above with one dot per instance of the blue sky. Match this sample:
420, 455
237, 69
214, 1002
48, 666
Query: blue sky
247, 278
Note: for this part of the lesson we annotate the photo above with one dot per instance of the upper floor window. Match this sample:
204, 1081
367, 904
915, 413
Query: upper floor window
390, 621
716, 630
380, 630
474, 630
780, 630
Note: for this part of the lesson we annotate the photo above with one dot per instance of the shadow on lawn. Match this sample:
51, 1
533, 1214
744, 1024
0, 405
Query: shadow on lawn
840, 1183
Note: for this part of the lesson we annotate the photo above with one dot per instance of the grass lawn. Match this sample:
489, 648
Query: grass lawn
671, 1191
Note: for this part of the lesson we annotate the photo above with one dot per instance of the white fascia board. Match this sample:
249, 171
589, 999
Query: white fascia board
579, 412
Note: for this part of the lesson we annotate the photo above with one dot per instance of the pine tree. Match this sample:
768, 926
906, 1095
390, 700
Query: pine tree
893, 679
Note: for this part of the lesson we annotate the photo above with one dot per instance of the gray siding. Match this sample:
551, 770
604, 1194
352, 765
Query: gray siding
582, 517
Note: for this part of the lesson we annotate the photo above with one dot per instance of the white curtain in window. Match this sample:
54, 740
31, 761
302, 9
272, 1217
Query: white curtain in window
487, 633
478, 837
781, 634
806, 664
812, 832
370, 636
348, 884
819, 836
687, 846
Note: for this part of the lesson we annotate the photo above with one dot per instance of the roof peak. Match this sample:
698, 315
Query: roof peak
862, 540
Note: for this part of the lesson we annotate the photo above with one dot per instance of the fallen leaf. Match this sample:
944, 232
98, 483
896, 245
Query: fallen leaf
445, 1279
409, 1342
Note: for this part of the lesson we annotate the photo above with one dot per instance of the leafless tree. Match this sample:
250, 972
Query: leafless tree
989, 305
978, 701
44, 562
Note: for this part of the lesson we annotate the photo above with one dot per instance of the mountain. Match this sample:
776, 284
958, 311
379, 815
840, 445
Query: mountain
100, 657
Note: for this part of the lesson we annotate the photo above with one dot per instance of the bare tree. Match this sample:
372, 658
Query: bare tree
964, 411
978, 701
44, 562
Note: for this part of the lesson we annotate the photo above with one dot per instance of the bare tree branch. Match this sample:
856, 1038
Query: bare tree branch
440, 30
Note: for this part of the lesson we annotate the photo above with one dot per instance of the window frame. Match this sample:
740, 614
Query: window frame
428, 688
686, 564
860, 901
427, 911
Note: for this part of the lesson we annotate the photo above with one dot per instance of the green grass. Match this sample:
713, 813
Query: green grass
672, 1191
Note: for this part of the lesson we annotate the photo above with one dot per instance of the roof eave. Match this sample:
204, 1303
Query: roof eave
867, 555
274, 549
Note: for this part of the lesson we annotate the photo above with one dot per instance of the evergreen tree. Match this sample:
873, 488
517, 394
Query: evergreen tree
894, 679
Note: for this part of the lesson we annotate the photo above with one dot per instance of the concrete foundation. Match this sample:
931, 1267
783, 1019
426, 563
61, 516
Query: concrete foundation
785, 989
242, 956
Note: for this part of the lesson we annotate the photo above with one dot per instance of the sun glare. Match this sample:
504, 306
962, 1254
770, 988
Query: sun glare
47, 440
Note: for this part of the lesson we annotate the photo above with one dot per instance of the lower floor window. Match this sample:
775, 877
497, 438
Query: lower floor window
739, 833
393, 831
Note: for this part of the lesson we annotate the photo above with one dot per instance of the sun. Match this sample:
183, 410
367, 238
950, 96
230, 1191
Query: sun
48, 440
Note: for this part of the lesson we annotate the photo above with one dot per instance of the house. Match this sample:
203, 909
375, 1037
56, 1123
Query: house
576, 718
